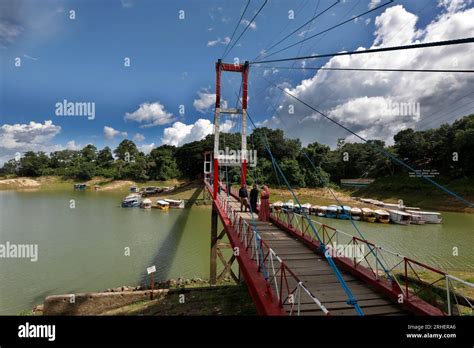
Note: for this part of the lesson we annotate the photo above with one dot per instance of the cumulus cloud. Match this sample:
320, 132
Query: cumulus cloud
9, 31
71, 145
374, 3
32, 136
138, 137
180, 133
111, 133
206, 101
360, 100
146, 148
150, 114
218, 41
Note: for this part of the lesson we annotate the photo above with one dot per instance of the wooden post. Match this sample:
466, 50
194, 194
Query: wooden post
213, 273
152, 285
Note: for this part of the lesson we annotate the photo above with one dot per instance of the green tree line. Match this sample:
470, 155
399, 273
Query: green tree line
448, 149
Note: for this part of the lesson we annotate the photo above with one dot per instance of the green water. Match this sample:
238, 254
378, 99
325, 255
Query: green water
83, 249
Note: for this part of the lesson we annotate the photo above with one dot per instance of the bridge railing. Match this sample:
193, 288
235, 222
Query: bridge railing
411, 277
290, 291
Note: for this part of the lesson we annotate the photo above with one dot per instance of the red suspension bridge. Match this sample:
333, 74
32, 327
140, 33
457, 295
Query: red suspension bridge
289, 264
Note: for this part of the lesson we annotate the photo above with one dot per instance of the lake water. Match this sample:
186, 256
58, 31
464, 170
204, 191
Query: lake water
83, 249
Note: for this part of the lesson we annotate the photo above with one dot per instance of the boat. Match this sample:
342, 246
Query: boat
277, 205
288, 206
150, 190
131, 201
428, 216
174, 203
314, 209
356, 213
344, 212
331, 211
162, 204
417, 219
368, 215
400, 217
306, 207
80, 186
146, 203
322, 211
382, 216
167, 189
134, 189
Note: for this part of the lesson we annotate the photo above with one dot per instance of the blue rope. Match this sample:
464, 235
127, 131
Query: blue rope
351, 299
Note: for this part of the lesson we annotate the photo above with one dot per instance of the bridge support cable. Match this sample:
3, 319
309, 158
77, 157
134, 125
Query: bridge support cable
235, 29
376, 147
373, 50
374, 69
297, 29
351, 298
330, 28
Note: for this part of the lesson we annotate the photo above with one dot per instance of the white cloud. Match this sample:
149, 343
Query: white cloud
357, 99
374, 3
111, 133
252, 25
71, 145
150, 114
206, 101
126, 3
454, 5
138, 137
146, 148
180, 133
218, 41
27, 137
9, 31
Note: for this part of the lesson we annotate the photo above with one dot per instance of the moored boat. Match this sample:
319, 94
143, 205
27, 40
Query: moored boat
80, 187
289, 205
277, 205
427, 216
400, 217
344, 212
382, 216
331, 211
131, 201
322, 211
416, 219
162, 204
314, 209
356, 213
146, 203
175, 203
134, 189
368, 215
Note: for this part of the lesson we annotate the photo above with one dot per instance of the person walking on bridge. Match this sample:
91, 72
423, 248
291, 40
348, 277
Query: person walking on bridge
244, 198
264, 212
253, 198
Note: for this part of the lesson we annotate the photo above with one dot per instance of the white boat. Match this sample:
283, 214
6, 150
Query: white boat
322, 211
133, 200
382, 216
400, 217
277, 205
368, 215
289, 205
146, 203
306, 207
314, 209
427, 216
356, 213
175, 203
417, 219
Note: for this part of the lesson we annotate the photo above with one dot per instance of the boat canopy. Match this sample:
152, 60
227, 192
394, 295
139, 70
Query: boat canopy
162, 202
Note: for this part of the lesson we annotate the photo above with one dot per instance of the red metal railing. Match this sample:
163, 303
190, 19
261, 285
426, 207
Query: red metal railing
279, 278
404, 273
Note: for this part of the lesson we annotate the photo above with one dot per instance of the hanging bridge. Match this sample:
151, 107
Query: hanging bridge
294, 265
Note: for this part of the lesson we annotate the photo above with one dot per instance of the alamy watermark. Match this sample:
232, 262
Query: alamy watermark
393, 108
19, 251
349, 251
234, 157
67, 108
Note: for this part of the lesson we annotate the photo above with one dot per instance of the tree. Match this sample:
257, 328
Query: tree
105, 158
33, 164
126, 151
89, 153
162, 164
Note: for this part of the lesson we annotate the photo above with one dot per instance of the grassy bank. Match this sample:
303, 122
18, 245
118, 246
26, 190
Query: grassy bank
418, 192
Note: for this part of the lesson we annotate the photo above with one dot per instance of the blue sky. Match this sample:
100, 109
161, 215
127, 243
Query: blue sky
172, 64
